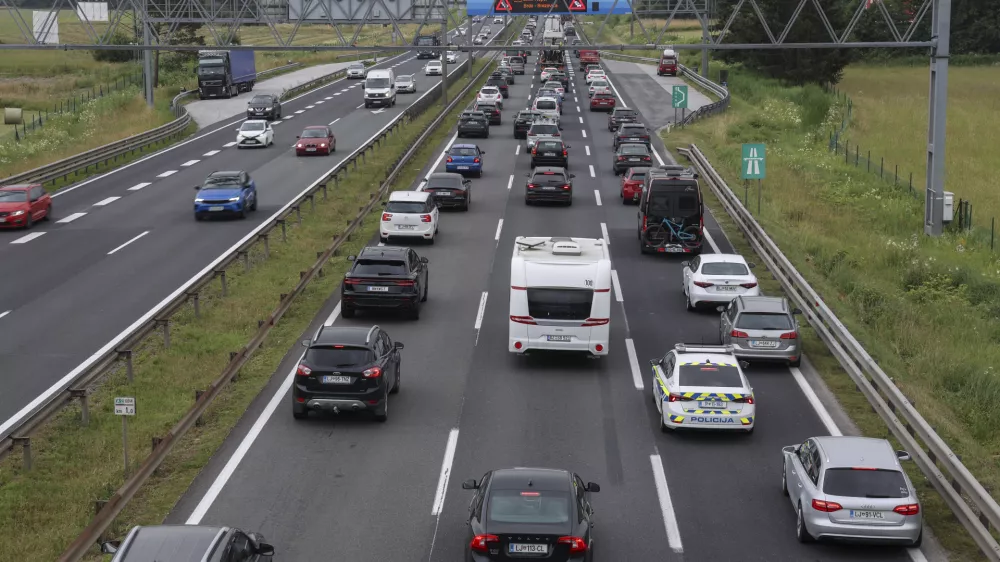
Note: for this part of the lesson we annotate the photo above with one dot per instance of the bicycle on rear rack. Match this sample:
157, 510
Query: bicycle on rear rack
668, 232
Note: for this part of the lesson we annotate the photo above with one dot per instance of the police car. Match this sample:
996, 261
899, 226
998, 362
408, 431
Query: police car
702, 387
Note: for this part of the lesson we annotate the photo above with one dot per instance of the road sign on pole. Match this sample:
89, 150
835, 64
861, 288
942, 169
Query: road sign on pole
680, 97
125, 407
754, 163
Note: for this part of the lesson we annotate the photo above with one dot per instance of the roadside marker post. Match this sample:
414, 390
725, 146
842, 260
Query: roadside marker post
754, 167
125, 407
679, 100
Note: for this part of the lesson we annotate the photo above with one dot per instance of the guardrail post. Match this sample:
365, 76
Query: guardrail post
195, 301
245, 256
81, 393
98, 506
267, 245
25, 443
221, 273
323, 187
336, 181
127, 356
284, 235
197, 397
312, 202
165, 323
364, 160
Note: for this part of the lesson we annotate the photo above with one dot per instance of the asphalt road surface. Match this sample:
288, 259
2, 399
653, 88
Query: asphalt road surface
119, 244
347, 488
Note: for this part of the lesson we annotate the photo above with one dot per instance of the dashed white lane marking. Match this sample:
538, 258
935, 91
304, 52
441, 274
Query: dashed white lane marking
169, 173
666, 505
5, 313
584, 133
345, 89
139, 186
581, 120
300, 111
190, 163
587, 149
328, 98
576, 99
578, 110
482, 309
604, 233
319, 102
276, 123
517, 150
449, 458
106, 201
592, 173
310, 106
211, 153
633, 362
129, 242
27, 238
287, 117
597, 195
617, 285
499, 228
360, 106
510, 182
334, 121
337, 94
229, 144
70, 218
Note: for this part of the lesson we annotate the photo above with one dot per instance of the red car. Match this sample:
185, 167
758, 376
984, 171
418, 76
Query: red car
602, 101
317, 139
632, 181
22, 205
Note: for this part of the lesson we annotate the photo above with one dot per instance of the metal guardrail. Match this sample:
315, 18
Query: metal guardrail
942, 467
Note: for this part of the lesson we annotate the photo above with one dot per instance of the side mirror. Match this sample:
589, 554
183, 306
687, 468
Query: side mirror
467, 182
751, 265
305, 343
265, 549
685, 264
720, 308
424, 260
197, 187
654, 362
470, 484
352, 257
398, 345
482, 152
110, 547
527, 175
571, 176
796, 311
790, 449
238, 130
903, 456
744, 364
592, 487
298, 137
569, 146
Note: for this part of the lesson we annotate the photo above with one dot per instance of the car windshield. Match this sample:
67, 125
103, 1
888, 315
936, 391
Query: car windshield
250, 126
379, 267
260, 100
549, 145
865, 483
463, 151
539, 129
221, 181
535, 507
560, 304
635, 149
405, 207
545, 104
764, 321
709, 374
404, 80
357, 66
329, 358
13, 196
724, 268
313, 134
377, 83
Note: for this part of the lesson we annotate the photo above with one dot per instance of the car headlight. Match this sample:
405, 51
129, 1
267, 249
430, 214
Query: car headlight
322, 145
17, 213
199, 200
232, 199
298, 145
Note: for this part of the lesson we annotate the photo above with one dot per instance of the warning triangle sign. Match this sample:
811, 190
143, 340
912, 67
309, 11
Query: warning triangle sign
503, 6
577, 6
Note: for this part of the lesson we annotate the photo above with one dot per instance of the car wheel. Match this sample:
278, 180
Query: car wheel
480, 174
427, 282
253, 207
384, 415
687, 299
28, 223
395, 387
801, 532
468, 201
796, 363
663, 423
299, 411
919, 541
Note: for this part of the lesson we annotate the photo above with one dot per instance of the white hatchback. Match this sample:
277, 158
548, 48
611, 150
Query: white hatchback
409, 214
490, 94
433, 68
547, 71
598, 86
718, 279
451, 57
256, 133
595, 75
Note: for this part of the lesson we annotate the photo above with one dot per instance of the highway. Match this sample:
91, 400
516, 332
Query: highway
347, 488
120, 243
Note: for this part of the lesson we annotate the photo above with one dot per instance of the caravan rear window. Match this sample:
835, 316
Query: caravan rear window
560, 304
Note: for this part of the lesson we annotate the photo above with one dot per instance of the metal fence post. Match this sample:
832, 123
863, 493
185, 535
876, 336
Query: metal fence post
129, 368
165, 323
222, 279
25, 443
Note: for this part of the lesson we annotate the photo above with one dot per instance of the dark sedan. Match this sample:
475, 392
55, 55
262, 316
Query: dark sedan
550, 152
523, 121
549, 184
491, 110
384, 278
450, 190
473, 123
530, 513
632, 155
621, 115
264, 106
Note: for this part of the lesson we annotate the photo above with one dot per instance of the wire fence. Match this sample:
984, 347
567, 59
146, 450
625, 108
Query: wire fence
73, 104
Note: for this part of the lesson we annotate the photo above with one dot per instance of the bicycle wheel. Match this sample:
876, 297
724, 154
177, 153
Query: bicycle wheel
655, 236
689, 236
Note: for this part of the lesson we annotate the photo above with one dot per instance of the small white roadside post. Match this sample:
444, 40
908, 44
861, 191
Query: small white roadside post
125, 407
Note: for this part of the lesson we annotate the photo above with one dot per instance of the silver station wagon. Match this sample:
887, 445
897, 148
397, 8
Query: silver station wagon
761, 329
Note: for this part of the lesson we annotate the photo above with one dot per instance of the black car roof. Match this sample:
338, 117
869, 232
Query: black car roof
343, 335
383, 252
446, 176
531, 478
173, 543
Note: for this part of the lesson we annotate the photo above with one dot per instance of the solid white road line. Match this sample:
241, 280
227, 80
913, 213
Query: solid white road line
814, 401
587, 149
633, 363
129, 242
510, 182
499, 228
482, 309
592, 174
711, 242
604, 233
916, 555
107, 201
190, 163
597, 195
441, 157
27, 238
666, 506
211, 153
169, 173
334, 121
658, 158
139, 186
70, 218
617, 285
449, 458
517, 150
2, 314
229, 144
584, 133
360, 106
333, 317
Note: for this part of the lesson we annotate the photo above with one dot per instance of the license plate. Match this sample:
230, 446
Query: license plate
869, 515
559, 338
260, 112
463, 167
633, 159
549, 188
633, 139
405, 227
335, 379
675, 250
763, 343
216, 208
310, 150
520, 548
726, 288
378, 289
712, 404
549, 154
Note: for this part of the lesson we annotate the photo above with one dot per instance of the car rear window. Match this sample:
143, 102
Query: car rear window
517, 60
405, 207
538, 129
545, 104
326, 358
534, 507
637, 176
455, 151
634, 149
549, 145
724, 268
763, 321
490, 91
560, 304
554, 85
667, 204
630, 129
379, 267
447, 183
709, 374
854, 483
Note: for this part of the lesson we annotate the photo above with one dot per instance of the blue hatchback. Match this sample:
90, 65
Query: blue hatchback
465, 159
225, 194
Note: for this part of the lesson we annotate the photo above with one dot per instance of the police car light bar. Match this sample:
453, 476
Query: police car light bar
703, 348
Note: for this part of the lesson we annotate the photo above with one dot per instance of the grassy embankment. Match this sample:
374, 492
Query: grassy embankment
928, 309
618, 31
43, 510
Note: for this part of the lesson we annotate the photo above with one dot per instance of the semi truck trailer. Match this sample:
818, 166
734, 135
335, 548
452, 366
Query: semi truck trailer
224, 74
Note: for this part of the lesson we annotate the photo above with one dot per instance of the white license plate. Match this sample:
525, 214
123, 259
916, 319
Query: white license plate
712, 404
633, 159
725, 288
335, 379
310, 150
520, 548
3, 219
463, 167
549, 154
405, 226
633, 139
378, 289
548, 188
216, 208
559, 338
675, 250
763, 343
868, 515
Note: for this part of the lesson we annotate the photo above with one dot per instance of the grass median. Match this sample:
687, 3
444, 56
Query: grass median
43, 510
925, 308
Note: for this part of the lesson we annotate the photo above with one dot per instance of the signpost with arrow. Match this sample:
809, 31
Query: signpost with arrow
754, 158
679, 98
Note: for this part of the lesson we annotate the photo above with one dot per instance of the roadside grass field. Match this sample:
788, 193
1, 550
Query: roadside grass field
43, 510
616, 32
927, 309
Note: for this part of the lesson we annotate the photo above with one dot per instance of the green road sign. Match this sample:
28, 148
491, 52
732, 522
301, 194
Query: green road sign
754, 167
680, 97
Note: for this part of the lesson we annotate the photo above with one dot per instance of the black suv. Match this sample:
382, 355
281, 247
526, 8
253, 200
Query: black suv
632, 132
449, 190
491, 111
264, 106
385, 277
549, 184
500, 83
631, 155
189, 542
671, 194
550, 152
506, 72
347, 369
561, 77
621, 115
523, 121
473, 123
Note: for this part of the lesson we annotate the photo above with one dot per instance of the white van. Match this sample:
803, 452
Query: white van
560, 295
380, 88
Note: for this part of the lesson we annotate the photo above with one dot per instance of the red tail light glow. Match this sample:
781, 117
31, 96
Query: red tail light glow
523, 320
386, 217
789, 336
908, 509
450, 159
476, 160
555, 134
373, 373
590, 322
565, 153
620, 158
678, 398
480, 543
425, 218
403, 283
532, 186
738, 334
703, 284
828, 507
745, 400
576, 544
531, 494
303, 370
534, 151
748, 285
565, 187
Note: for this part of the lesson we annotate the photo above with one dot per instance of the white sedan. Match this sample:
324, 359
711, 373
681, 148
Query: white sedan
256, 133
451, 57
718, 279
599, 86
490, 94
433, 68
595, 75
702, 387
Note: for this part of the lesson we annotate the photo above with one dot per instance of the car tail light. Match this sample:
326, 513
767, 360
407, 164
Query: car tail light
644, 223
523, 320
599, 348
532, 186
828, 507
748, 285
475, 160
678, 398
745, 400
589, 322
534, 151
789, 336
517, 345
480, 543
908, 509
703, 284
738, 334
303, 370
565, 153
373, 373
404, 283
425, 218
449, 159
620, 158
576, 544
386, 217
555, 134
565, 187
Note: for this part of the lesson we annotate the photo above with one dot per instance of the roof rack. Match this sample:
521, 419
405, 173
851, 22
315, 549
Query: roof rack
677, 170
703, 348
